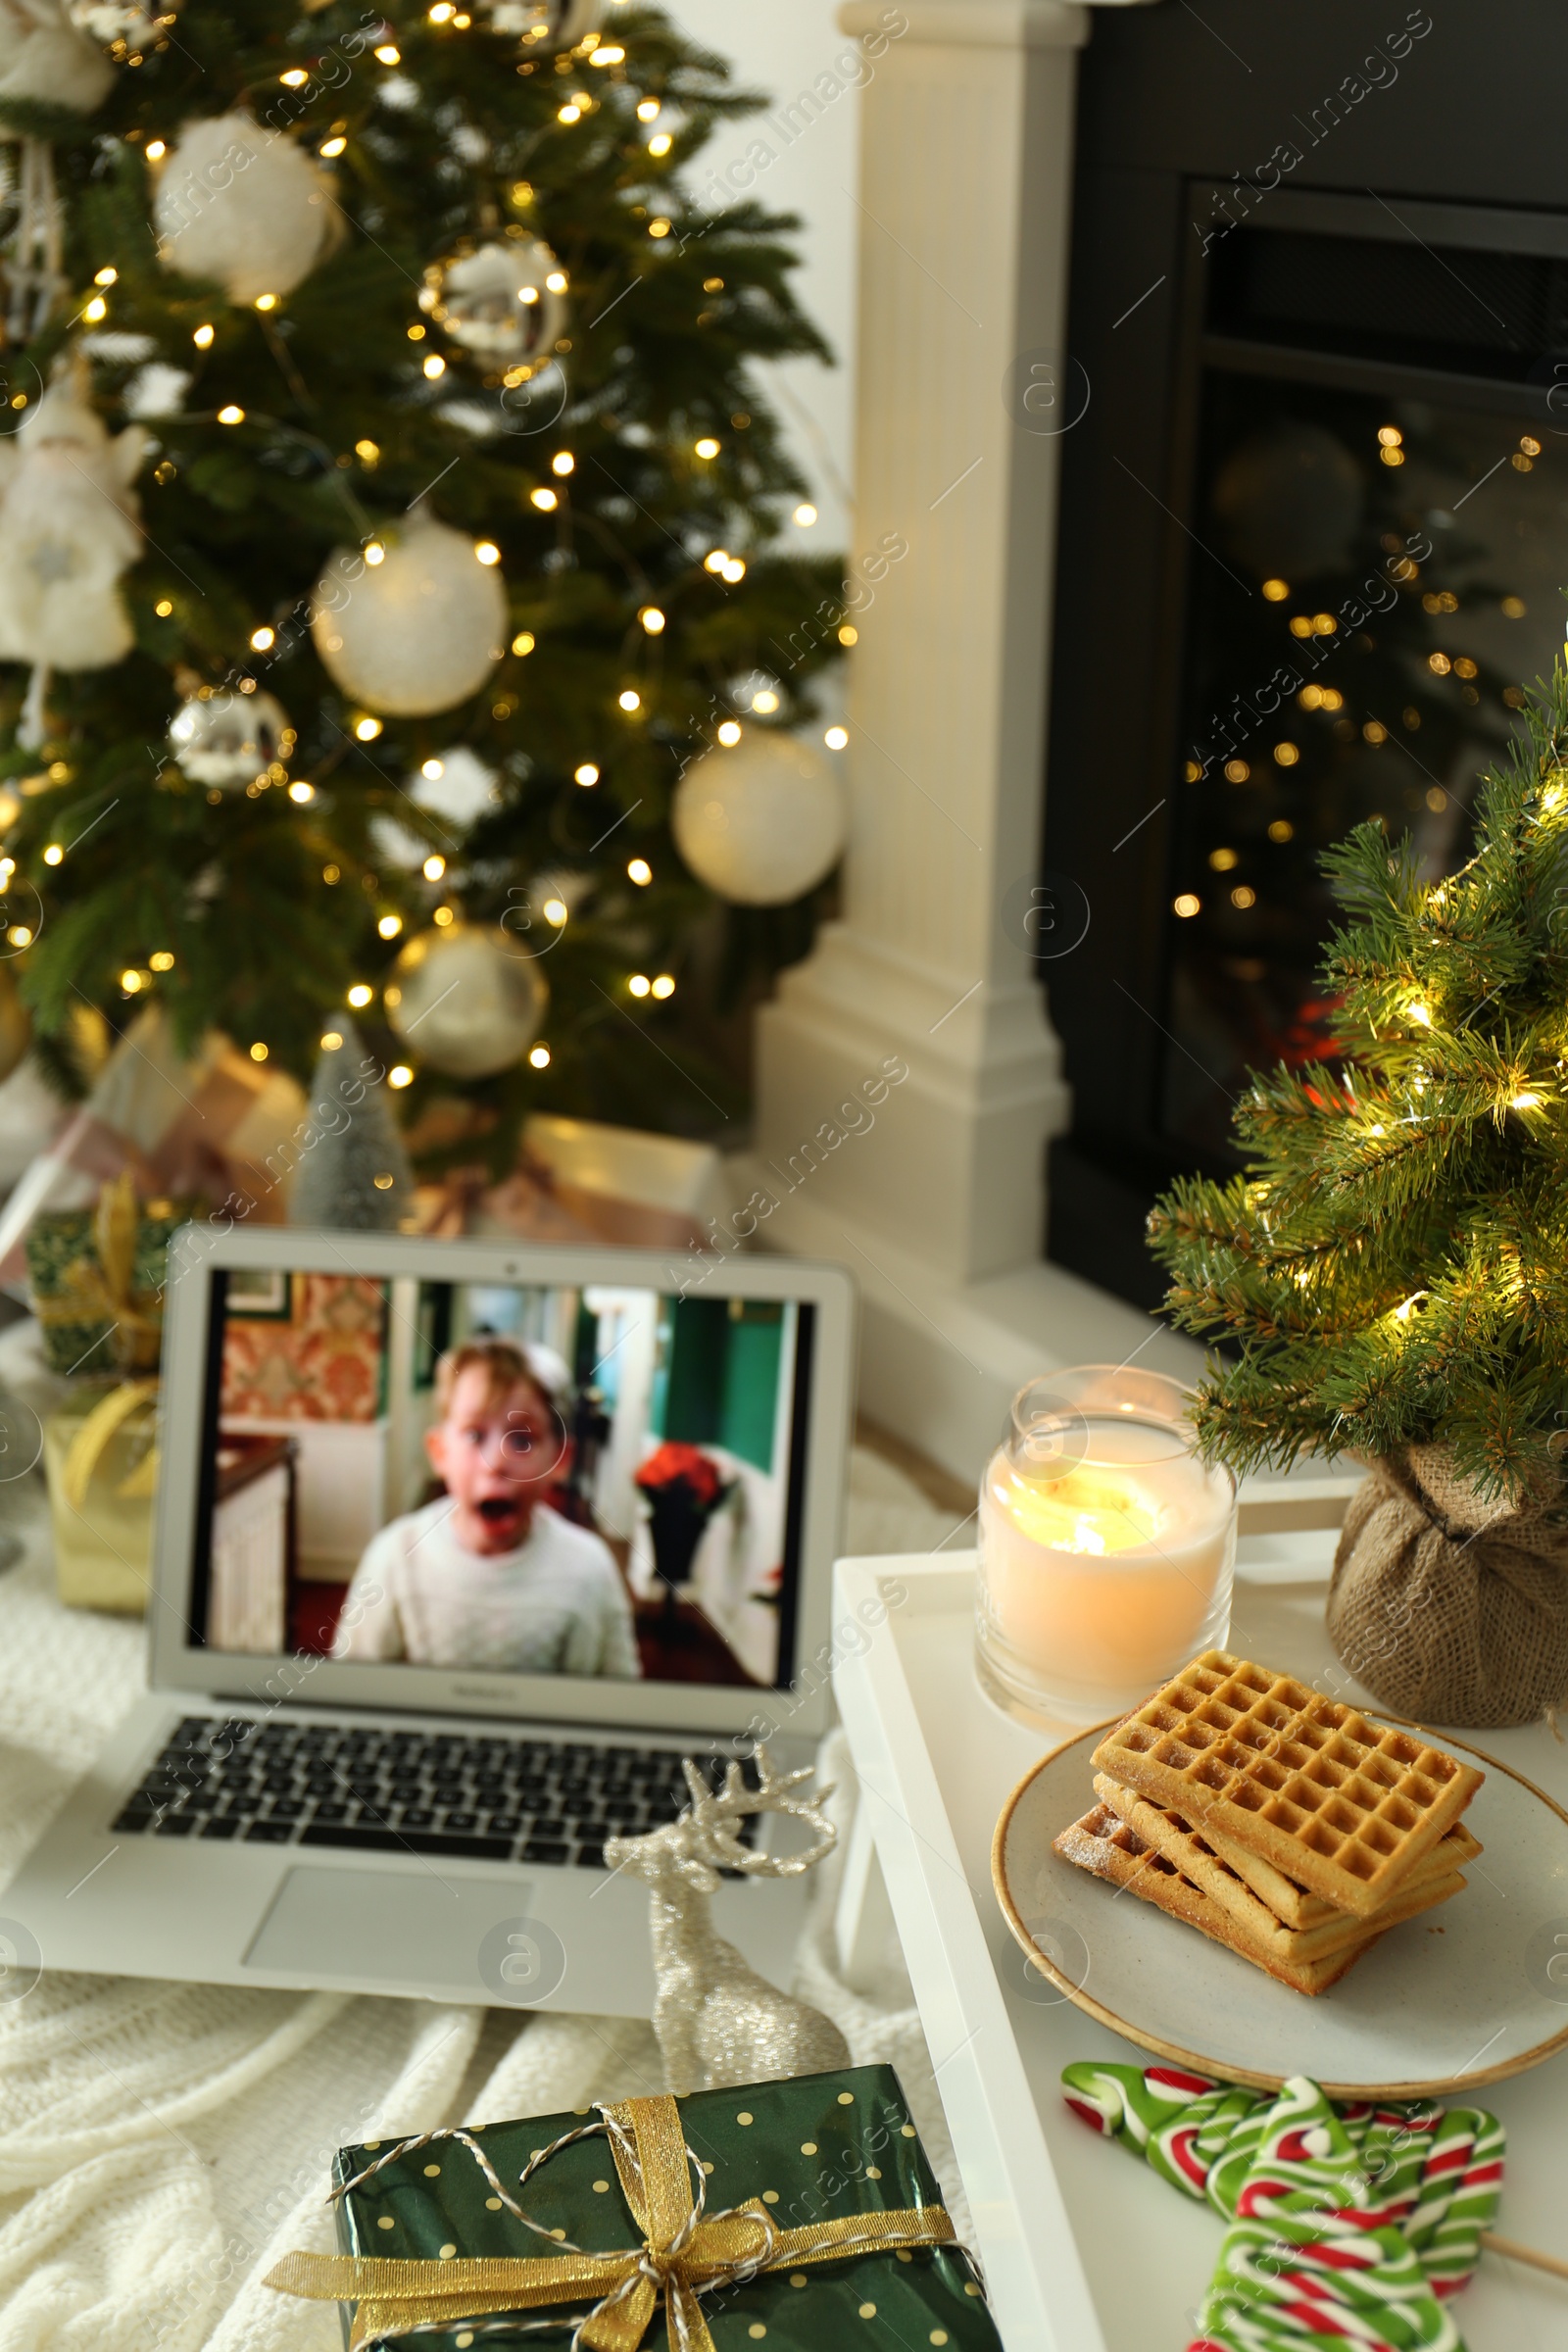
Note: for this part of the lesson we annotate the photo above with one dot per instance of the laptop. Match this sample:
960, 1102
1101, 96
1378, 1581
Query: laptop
424, 1631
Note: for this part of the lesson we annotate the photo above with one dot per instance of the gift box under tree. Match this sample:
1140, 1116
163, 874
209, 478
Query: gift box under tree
814, 2213
100, 1453
97, 1282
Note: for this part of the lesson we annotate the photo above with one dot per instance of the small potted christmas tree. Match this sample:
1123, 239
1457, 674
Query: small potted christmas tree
1392, 1271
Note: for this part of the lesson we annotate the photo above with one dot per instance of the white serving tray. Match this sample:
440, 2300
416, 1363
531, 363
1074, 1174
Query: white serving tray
1085, 2248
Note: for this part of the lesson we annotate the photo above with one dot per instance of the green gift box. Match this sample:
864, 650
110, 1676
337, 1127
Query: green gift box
96, 1279
818, 2215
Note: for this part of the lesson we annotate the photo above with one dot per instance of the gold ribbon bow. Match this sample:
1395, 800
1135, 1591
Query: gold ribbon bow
104, 1291
685, 2254
91, 1440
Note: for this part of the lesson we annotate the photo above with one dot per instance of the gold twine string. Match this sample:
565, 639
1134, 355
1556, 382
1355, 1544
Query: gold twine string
481, 2157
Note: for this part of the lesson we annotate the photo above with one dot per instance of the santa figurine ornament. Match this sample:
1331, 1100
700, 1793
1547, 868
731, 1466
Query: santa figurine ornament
70, 526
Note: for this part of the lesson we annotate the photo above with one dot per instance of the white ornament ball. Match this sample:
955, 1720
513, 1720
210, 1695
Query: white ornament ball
43, 56
468, 1002
419, 631
498, 304
244, 206
229, 740
761, 824
549, 24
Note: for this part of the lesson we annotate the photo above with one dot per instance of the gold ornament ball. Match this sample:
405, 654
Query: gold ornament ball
468, 1002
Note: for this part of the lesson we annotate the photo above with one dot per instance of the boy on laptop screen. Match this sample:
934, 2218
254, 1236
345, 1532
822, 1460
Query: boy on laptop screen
488, 1574
597, 1481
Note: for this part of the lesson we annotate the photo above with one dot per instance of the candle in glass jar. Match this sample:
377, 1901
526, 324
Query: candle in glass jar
1104, 1571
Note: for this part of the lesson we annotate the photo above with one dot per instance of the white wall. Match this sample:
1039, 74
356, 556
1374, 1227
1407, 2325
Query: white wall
778, 48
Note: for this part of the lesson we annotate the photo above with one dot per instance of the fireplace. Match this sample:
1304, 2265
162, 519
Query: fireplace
1315, 527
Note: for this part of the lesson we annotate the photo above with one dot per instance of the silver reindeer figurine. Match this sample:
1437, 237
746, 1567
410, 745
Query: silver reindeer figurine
717, 2020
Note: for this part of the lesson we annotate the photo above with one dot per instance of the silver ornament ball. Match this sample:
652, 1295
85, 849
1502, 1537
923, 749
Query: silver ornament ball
499, 304
469, 1002
760, 823
229, 740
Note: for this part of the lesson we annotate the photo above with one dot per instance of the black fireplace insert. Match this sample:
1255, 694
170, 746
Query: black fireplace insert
1314, 537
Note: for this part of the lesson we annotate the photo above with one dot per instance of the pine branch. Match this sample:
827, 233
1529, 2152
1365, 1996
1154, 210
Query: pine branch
36, 119
1393, 1266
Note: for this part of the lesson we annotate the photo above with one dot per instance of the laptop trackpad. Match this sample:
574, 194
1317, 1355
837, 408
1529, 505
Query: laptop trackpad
472, 1938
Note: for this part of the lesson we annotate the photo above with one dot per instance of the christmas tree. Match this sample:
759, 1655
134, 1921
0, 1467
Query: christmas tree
1393, 1266
389, 514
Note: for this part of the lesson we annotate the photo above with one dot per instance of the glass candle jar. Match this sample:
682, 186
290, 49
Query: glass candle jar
1107, 1546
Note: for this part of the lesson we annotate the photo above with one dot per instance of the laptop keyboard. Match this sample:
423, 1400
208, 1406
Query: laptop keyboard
408, 1791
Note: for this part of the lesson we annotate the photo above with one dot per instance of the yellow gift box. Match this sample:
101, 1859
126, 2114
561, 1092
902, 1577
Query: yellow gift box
101, 1460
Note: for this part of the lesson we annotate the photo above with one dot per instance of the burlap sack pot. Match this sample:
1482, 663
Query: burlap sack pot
1450, 1608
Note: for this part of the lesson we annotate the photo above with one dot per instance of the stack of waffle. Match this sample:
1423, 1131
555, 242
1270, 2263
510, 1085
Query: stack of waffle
1274, 1820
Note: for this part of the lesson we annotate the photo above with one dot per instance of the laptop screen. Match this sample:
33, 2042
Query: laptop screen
597, 1480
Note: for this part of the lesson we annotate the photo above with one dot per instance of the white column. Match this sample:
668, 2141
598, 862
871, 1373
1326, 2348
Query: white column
963, 215
963, 220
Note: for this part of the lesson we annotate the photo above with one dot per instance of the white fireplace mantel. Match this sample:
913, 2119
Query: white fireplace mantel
938, 1208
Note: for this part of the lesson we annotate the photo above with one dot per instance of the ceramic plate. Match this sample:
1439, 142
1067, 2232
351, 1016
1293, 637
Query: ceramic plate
1460, 1996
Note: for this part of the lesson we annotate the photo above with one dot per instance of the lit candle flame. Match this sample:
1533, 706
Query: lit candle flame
1079, 1513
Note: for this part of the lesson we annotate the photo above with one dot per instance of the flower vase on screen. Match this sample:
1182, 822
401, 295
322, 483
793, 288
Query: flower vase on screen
682, 1487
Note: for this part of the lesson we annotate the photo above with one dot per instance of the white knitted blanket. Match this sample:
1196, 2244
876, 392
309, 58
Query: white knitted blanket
161, 2145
